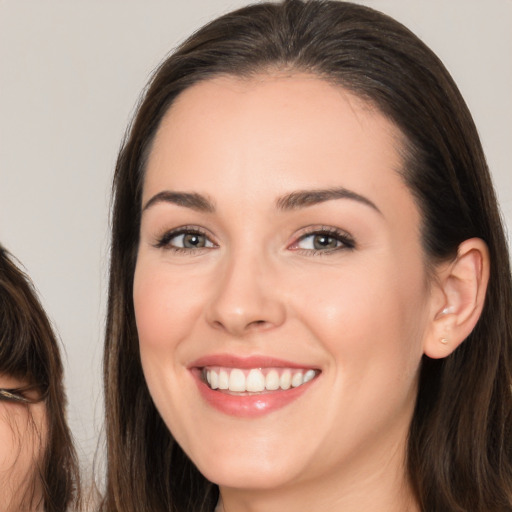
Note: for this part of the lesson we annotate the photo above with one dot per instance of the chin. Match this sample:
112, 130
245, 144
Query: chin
246, 469
248, 477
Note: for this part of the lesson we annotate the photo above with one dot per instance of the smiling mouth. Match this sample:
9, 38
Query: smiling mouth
255, 380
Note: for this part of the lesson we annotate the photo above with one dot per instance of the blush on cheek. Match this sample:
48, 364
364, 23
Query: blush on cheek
165, 307
159, 323
150, 331
150, 310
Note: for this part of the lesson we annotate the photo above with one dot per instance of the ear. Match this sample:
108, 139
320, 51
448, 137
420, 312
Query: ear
457, 298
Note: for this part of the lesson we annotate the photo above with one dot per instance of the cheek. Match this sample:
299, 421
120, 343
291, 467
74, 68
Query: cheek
9, 445
21, 433
370, 325
165, 306
370, 315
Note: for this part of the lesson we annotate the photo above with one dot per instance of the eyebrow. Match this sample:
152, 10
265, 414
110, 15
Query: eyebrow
185, 199
291, 201
305, 198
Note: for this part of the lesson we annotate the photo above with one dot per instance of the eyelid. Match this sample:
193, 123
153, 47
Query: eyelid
18, 395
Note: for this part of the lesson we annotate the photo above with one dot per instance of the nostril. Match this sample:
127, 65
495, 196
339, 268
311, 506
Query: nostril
218, 325
241, 327
257, 323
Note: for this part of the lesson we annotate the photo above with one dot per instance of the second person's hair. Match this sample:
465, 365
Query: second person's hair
29, 352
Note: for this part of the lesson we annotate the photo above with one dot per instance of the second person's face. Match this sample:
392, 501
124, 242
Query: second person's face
280, 292
23, 433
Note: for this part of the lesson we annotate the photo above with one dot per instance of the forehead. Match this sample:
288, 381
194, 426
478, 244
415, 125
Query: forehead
274, 133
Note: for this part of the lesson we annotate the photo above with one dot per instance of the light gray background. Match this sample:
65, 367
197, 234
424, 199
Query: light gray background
70, 75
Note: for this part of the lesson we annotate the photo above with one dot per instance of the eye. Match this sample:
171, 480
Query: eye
185, 239
24, 395
318, 242
190, 241
324, 240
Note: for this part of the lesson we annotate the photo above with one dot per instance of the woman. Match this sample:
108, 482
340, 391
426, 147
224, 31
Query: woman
38, 466
309, 304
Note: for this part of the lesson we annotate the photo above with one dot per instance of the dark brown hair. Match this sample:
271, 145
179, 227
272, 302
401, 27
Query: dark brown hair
460, 443
29, 352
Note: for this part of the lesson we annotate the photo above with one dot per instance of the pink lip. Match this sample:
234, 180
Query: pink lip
231, 361
246, 406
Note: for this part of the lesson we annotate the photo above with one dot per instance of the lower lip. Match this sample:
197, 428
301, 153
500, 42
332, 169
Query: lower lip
249, 406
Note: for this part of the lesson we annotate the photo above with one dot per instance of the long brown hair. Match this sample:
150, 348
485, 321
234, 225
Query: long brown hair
29, 352
460, 442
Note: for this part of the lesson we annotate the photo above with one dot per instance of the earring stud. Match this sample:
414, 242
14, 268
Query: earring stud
444, 341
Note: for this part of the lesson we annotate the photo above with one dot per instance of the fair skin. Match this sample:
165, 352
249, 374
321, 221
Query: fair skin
21, 428
256, 272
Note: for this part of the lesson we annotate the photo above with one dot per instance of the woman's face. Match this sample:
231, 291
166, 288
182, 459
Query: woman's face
22, 429
280, 258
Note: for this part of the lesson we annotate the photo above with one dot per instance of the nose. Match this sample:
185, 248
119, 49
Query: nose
246, 297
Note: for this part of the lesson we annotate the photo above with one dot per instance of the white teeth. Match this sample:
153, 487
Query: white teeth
286, 379
223, 379
272, 380
256, 380
297, 379
214, 379
309, 375
237, 380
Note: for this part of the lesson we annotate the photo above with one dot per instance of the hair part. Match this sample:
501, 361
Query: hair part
460, 442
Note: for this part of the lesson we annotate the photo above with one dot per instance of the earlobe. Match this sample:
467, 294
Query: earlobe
462, 285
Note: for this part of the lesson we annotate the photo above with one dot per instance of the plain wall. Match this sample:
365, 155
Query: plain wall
70, 75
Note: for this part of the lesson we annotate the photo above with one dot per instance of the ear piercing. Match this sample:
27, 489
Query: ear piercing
446, 311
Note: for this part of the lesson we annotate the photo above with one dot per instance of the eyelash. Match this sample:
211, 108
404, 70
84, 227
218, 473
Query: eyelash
164, 242
346, 242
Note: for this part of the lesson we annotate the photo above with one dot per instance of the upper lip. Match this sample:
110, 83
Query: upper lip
255, 361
